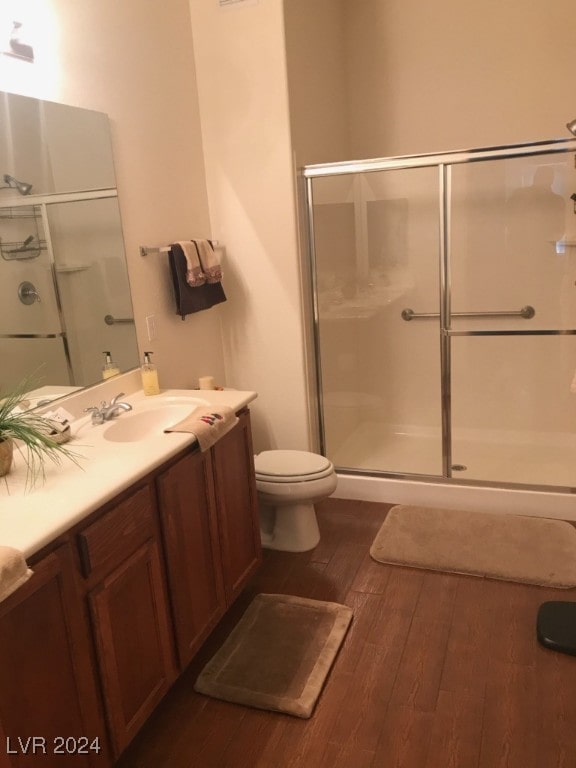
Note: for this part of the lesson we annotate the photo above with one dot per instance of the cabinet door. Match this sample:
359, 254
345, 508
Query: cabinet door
131, 625
188, 514
236, 501
47, 684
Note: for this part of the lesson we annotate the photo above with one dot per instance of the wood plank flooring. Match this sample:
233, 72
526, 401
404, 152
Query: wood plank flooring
437, 671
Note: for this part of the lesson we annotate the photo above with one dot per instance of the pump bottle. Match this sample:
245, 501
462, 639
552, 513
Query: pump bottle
149, 374
109, 368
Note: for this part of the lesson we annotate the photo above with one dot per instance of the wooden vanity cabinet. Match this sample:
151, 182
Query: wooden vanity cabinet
191, 540
204, 504
237, 505
211, 533
48, 689
122, 562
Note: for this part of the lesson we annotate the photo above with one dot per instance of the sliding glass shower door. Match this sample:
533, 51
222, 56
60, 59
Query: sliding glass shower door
512, 260
376, 241
445, 314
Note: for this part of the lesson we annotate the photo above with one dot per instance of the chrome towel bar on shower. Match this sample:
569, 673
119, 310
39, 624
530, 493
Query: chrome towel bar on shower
526, 312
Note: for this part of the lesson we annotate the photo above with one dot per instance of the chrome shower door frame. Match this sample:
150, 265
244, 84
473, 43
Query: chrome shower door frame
444, 162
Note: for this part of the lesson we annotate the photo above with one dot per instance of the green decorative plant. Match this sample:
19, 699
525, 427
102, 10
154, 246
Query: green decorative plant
30, 433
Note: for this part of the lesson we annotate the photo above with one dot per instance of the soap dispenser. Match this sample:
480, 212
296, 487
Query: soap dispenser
109, 368
149, 372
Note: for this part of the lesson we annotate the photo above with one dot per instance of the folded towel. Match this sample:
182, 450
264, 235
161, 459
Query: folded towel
209, 261
194, 273
208, 423
190, 299
13, 571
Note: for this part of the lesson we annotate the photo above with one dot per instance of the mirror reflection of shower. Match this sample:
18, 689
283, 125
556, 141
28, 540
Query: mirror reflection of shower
11, 183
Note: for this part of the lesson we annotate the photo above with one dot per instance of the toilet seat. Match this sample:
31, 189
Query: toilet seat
291, 466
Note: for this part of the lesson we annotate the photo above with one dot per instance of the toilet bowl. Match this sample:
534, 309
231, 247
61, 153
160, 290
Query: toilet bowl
288, 484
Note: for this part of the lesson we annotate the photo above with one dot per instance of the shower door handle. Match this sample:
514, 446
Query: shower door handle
526, 312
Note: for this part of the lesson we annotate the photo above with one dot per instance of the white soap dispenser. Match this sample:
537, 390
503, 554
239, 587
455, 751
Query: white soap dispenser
149, 373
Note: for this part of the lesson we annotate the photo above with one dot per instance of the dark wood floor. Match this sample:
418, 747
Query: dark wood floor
437, 671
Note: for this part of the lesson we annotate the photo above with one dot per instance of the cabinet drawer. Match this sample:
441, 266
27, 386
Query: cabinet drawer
118, 533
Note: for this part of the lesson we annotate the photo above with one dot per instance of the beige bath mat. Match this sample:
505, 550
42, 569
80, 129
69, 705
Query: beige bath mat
510, 547
279, 654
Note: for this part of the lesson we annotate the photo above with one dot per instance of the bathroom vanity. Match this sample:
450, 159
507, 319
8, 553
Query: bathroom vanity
122, 599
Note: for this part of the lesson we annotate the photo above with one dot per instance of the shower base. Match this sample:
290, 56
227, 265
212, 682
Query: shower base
489, 456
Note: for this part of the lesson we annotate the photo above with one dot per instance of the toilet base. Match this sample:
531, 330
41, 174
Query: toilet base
295, 528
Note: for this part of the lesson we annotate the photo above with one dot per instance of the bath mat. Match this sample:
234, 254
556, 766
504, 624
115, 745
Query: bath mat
279, 654
532, 550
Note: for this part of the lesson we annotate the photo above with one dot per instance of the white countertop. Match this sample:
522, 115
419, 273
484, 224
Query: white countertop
31, 518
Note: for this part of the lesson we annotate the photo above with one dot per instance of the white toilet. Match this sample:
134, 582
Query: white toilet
288, 484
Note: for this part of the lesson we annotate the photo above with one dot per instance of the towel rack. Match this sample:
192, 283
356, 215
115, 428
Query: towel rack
145, 250
526, 312
111, 320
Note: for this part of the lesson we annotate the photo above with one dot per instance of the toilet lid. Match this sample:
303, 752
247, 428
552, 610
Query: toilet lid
290, 464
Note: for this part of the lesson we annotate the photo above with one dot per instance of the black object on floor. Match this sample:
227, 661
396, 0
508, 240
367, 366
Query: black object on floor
556, 626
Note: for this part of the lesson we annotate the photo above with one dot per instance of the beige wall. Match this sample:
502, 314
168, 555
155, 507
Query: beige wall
134, 60
425, 77
317, 79
241, 71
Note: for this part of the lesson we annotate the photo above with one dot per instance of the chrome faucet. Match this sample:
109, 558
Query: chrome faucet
106, 411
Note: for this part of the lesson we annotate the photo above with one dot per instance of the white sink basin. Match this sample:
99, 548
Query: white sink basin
149, 420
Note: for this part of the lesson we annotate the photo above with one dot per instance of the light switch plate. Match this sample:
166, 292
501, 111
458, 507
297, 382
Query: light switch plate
151, 327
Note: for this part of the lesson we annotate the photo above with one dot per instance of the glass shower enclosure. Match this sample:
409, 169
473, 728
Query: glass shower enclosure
444, 314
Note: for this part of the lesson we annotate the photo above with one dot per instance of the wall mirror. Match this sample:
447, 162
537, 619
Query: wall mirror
64, 290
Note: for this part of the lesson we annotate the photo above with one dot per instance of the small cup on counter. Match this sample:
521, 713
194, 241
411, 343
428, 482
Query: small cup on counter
206, 382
